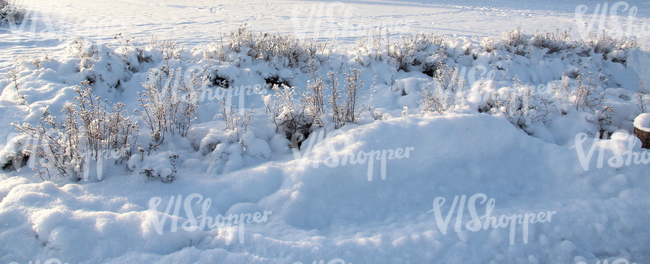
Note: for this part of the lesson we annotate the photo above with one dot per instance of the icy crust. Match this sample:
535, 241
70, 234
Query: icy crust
642, 122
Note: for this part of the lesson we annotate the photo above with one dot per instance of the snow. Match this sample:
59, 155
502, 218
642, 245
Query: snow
642, 122
378, 191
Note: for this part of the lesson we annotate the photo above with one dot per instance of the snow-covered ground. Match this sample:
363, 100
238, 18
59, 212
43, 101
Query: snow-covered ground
513, 171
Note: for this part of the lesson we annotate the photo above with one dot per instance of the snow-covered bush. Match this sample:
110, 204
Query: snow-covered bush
131, 54
614, 48
235, 121
338, 111
281, 50
289, 117
232, 148
413, 52
104, 67
293, 118
640, 100
314, 99
447, 90
554, 42
13, 83
87, 54
10, 12
516, 104
352, 103
158, 166
519, 43
91, 129
168, 102
515, 41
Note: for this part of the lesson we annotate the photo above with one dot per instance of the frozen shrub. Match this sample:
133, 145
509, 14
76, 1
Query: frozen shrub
88, 55
235, 120
313, 101
13, 82
169, 49
168, 102
132, 55
283, 50
289, 117
614, 48
10, 12
519, 43
91, 129
554, 42
442, 95
352, 106
603, 43
338, 114
158, 166
640, 100
515, 41
413, 50
587, 97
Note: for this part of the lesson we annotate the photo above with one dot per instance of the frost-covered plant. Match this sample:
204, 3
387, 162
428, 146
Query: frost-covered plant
585, 94
13, 82
166, 174
132, 55
235, 120
338, 116
515, 41
586, 97
169, 49
285, 113
554, 42
489, 44
84, 50
313, 101
413, 49
521, 110
446, 91
433, 99
352, 106
640, 94
605, 44
285, 50
91, 129
10, 12
168, 102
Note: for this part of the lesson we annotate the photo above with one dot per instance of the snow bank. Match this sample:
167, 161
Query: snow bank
328, 212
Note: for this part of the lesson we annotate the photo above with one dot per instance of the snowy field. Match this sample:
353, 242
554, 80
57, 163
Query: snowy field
325, 132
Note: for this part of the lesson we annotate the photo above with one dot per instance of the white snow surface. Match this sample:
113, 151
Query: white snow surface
642, 122
313, 211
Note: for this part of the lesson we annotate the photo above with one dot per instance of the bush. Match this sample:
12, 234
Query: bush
610, 47
352, 106
447, 86
289, 117
91, 129
554, 42
282, 50
168, 102
10, 12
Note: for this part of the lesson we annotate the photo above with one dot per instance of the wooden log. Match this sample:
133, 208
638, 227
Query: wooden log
642, 129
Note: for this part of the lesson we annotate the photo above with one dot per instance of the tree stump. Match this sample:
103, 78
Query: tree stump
642, 129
